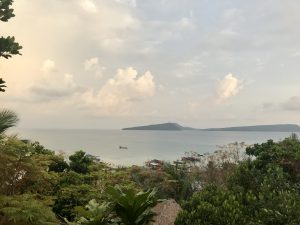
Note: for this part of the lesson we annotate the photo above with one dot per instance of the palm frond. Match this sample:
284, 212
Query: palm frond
8, 119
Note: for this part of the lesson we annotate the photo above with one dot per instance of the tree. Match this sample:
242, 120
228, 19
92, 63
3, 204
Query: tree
133, 208
8, 119
80, 162
95, 214
69, 197
2, 85
25, 210
263, 190
212, 206
21, 171
8, 45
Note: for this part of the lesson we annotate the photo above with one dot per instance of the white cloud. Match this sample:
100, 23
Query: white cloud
88, 5
48, 66
93, 65
51, 85
119, 93
227, 87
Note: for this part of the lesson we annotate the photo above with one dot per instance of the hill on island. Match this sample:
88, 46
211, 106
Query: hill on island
266, 128
162, 126
262, 128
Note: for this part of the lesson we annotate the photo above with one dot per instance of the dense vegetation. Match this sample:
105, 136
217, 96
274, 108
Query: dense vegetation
41, 187
264, 189
38, 186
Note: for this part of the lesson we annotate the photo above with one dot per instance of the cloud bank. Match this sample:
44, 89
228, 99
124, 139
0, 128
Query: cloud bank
118, 94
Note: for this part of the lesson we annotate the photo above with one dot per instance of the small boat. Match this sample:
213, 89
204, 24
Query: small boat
123, 147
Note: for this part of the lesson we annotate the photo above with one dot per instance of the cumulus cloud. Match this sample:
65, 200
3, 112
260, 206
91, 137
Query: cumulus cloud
51, 85
119, 92
227, 87
48, 66
292, 104
88, 6
93, 65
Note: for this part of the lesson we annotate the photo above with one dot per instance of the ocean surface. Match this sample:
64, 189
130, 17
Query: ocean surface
141, 145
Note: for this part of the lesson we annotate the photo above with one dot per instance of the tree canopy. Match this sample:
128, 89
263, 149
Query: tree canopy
8, 45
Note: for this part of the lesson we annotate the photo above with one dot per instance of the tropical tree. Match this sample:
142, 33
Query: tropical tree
133, 208
262, 190
25, 210
95, 214
8, 119
21, 171
80, 162
2, 85
212, 206
71, 196
8, 45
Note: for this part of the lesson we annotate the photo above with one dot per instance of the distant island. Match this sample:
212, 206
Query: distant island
162, 126
262, 128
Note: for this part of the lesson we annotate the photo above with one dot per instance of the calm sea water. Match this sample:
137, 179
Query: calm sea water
141, 145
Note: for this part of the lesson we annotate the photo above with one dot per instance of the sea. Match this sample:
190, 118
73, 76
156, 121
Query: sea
125, 148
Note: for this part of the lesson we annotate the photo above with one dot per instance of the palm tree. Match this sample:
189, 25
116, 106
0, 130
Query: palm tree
131, 207
2, 85
8, 119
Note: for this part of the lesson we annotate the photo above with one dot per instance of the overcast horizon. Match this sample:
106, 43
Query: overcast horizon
97, 64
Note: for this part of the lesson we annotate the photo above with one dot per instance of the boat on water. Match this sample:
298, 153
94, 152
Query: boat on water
123, 147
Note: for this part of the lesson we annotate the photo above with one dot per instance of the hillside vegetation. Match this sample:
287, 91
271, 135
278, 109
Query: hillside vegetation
259, 186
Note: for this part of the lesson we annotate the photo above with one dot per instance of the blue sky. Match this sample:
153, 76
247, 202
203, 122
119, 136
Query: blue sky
117, 63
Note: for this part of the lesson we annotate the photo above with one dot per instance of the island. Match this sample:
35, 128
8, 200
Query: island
257, 128
162, 126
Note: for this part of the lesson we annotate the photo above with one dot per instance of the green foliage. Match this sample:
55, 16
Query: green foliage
5, 11
58, 164
2, 85
17, 169
25, 210
71, 196
95, 214
108, 176
221, 188
8, 45
147, 178
8, 119
80, 162
39, 149
131, 207
264, 189
21, 171
212, 206
181, 177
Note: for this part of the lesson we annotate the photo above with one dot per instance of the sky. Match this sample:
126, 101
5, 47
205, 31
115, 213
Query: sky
108, 64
